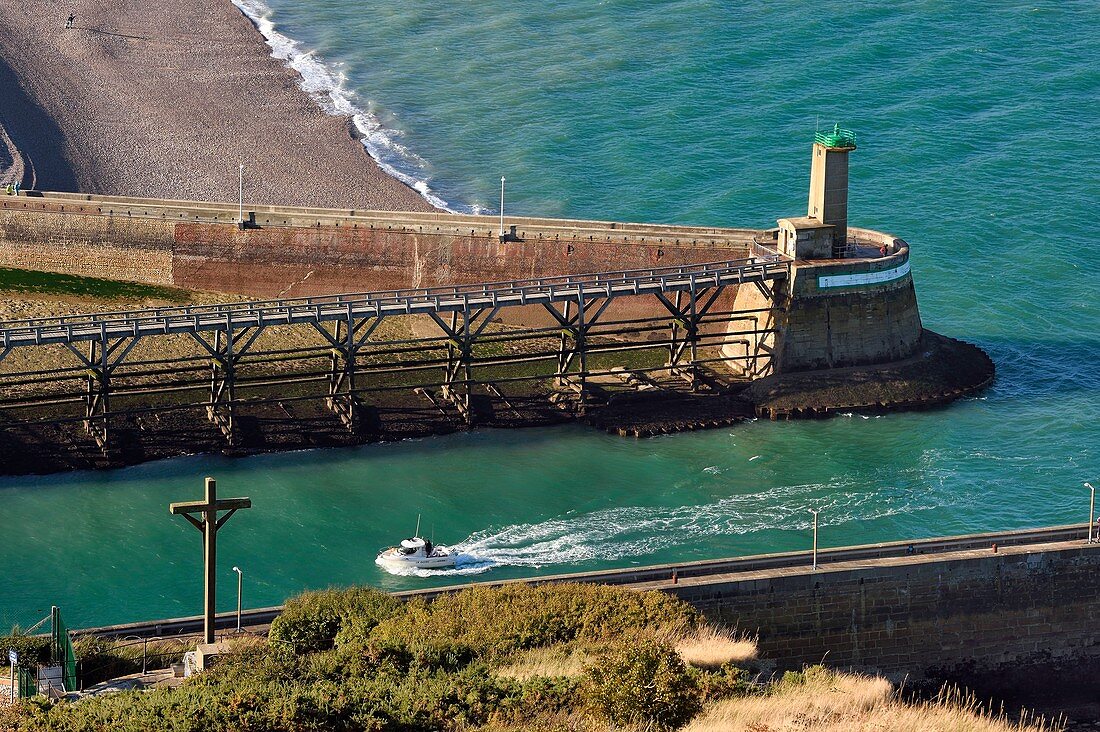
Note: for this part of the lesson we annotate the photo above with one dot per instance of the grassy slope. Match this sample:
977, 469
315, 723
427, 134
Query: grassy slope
503, 660
47, 283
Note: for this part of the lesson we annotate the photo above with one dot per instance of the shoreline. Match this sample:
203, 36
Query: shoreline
330, 95
125, 103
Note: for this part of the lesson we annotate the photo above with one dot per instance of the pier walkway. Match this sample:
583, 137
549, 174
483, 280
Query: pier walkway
111, 358
579, 289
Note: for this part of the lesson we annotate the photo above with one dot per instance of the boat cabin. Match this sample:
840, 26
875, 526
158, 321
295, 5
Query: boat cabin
410, 547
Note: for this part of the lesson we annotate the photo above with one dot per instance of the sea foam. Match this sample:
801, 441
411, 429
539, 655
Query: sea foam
326, 85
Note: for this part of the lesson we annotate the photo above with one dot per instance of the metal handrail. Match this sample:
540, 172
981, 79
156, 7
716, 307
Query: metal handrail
837, 137
190, 318
597, 277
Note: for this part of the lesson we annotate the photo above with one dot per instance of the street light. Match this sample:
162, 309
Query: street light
240, 196
240, 579
815, 513
502, 207
1092, 507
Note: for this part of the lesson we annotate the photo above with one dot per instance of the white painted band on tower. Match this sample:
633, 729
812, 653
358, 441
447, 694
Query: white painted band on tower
864, 278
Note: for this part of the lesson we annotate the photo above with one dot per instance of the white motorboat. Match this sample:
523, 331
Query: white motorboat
418, 553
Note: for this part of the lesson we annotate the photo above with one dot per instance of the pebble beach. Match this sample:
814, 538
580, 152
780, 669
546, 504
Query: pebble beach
166, 100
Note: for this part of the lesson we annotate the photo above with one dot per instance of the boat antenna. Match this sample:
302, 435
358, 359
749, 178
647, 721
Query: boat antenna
417, 532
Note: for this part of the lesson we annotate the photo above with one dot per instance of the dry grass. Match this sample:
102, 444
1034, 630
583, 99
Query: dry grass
246, 642
547, 662
834, 702
706, 647
710, 647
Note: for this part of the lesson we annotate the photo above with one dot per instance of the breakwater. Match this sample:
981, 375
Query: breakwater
436, 296
295, 252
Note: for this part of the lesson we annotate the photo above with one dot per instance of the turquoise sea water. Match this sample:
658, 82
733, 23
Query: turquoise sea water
978, 129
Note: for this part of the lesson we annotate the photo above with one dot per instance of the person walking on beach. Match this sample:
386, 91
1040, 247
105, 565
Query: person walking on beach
69, 22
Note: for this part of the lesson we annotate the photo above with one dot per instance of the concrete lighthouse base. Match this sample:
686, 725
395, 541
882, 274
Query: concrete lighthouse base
941, 371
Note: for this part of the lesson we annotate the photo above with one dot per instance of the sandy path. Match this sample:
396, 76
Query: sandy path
164, 99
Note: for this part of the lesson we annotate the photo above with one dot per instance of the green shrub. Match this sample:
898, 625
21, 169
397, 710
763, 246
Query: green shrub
539, 697
728, 681
311, 621
393, 666
492, 623
644, 682
32, 649
801, 678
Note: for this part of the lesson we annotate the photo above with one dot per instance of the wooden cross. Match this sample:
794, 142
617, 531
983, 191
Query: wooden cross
209, 525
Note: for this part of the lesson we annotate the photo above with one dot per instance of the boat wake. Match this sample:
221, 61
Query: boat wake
638, 531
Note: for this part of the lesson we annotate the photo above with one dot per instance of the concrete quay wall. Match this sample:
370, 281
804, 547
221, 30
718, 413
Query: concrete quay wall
934, 607
976, 610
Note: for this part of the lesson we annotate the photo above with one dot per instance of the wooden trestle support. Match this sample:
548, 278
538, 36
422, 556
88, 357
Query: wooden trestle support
102, 358
346, 337
227, 336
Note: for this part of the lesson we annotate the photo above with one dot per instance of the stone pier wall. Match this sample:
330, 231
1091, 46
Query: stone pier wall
138, 250
945, 607
291, 252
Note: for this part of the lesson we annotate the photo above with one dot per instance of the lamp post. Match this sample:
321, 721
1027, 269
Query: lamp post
815, 513
240, 196
1092, 508
240, 580
502, 207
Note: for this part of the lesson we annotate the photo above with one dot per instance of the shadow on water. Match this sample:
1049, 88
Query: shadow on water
1033, 368
35, 134
211, 460
1029, 371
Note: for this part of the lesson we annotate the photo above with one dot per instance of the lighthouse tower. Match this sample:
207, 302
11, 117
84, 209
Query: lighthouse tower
829, 183
823, 232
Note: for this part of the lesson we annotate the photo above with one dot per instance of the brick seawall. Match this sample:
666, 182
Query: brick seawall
289, 252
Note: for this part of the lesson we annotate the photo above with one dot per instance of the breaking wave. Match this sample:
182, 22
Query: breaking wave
326, 85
